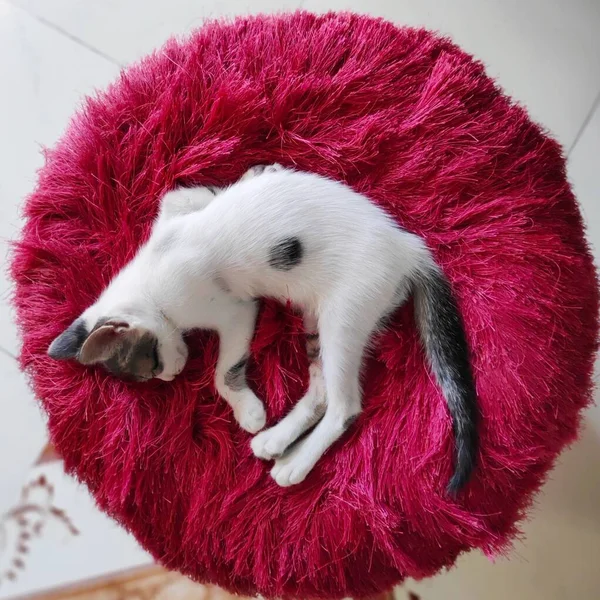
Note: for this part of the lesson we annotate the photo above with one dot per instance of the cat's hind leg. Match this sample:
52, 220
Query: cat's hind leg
345, 327
273, 442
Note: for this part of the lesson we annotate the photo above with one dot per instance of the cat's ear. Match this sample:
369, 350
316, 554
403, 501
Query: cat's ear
89, 347
68, 344
104, 341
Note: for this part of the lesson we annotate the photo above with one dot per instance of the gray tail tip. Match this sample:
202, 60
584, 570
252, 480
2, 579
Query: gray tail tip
457, 482
465, 465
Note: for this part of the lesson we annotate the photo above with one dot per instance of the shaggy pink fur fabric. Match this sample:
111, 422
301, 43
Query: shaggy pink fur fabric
414, 123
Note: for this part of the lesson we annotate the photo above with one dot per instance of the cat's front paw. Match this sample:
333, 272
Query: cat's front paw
257, 170
250, 413
183, 201
269, 444
174, 357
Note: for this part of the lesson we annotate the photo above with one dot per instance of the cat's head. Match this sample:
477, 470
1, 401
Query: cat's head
126, 347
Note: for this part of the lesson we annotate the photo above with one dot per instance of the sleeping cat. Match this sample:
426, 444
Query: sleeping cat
292, 236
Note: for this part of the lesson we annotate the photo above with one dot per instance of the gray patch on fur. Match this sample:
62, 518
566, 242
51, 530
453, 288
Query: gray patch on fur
318, 413
68, 344
349, 421
313, 349
235, 378
286, 254
320, 410
222, 284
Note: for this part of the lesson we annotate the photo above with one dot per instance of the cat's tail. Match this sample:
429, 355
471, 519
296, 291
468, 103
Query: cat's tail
443, 335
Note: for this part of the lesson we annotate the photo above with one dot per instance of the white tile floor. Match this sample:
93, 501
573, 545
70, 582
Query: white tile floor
544, 52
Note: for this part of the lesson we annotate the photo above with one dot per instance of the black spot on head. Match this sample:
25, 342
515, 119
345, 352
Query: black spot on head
68, 343
115, 366
286, 254
136, 359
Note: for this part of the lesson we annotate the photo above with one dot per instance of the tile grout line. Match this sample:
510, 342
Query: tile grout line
87, 46
70, 36
586, 122
7, 353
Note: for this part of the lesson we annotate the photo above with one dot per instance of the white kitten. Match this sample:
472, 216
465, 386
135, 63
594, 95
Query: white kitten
291, 236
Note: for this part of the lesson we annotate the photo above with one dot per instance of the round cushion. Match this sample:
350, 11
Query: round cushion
411, 121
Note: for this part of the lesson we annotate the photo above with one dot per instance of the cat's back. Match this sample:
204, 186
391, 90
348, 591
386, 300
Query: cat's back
296, 202
290, 234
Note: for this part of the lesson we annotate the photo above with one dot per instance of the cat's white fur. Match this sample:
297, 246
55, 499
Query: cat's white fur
210, 256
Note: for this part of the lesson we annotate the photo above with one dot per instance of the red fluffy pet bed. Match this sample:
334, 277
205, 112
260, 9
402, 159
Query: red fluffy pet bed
413, 122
